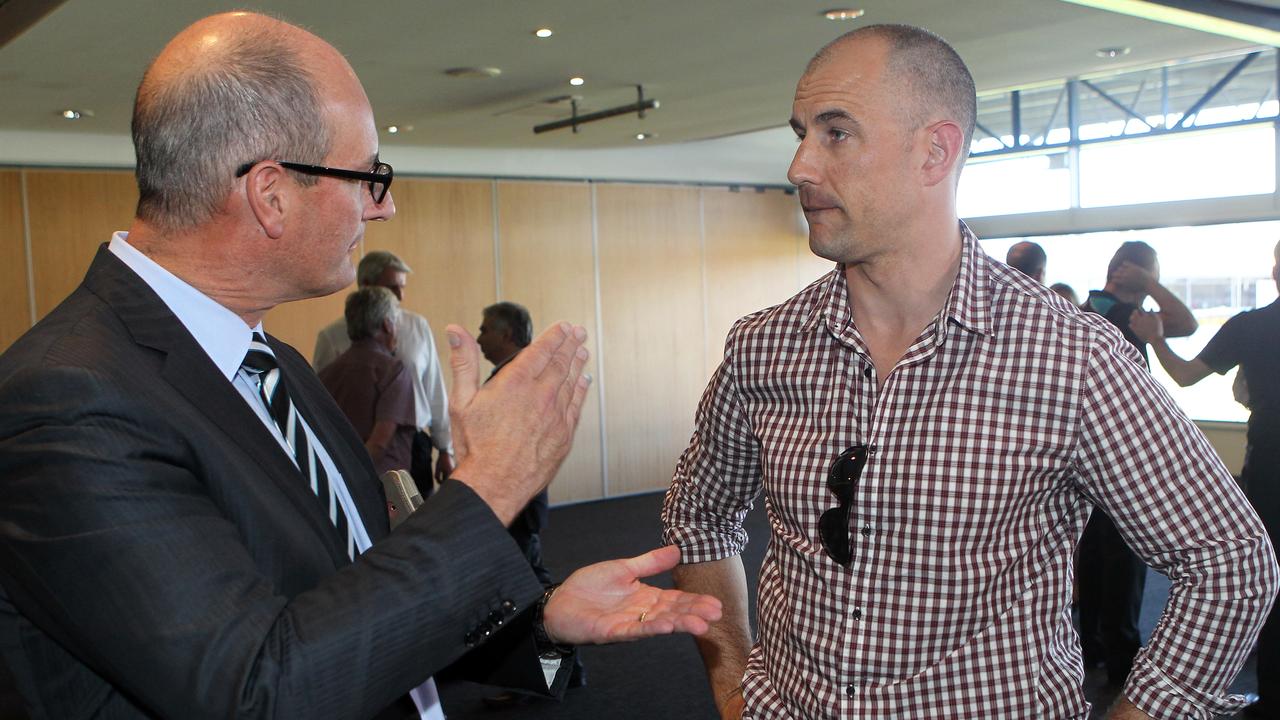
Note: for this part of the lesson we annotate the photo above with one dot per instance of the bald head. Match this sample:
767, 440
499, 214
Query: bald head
230, 89
1029, 258
935, 82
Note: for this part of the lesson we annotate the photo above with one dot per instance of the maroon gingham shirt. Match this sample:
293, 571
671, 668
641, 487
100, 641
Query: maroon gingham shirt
1001, 426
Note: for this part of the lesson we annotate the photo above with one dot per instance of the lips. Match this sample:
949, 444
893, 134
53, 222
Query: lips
811, 204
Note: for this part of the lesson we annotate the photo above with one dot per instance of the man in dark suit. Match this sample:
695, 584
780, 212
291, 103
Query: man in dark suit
188, 526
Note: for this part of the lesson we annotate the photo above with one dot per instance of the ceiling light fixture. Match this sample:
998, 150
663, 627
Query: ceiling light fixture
576, 81
574, 120
1187, 19
71, 114
843, 14
646, 136
543, 32
393, 129
1111, 52
480, 73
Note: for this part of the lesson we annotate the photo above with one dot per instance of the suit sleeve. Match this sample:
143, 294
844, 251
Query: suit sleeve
113, 545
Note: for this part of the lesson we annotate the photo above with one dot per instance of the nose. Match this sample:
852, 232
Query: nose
384, 210
802, 169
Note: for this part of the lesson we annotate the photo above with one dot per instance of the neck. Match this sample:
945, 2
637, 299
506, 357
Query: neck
900, 291
1133, 297
205, 259
506, 356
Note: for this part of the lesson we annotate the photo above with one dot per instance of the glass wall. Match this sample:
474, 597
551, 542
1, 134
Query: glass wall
1217, 270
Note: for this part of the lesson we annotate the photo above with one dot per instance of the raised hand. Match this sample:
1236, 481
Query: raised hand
606, 602
1133, 277
1148, 326
511, 435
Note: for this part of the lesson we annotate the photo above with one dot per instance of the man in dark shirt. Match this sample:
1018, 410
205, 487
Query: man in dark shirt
370, 384
505, 329
1252, 341
1111, 576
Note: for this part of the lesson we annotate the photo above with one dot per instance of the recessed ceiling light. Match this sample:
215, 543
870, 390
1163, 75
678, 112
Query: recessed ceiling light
474, 72
575, 81
393, 129
1111, 52
646, 136
843, 14
543, 32
71, 114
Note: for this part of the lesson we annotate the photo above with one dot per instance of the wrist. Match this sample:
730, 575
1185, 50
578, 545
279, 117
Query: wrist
547, 645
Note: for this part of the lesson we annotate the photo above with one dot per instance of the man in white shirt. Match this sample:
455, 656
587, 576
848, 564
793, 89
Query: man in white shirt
416, 348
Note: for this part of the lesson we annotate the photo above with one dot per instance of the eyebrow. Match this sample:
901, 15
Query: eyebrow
827, 117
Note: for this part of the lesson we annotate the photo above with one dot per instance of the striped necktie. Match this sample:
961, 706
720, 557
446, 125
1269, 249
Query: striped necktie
260, 363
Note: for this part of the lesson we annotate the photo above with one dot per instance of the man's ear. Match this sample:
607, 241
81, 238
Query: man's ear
389, 327
945, 151
267, 192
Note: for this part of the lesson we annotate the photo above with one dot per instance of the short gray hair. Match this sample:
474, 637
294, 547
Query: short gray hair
367, 309
250, 100
373, 264
932, 71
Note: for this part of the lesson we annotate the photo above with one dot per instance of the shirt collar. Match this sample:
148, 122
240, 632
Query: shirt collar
222, 335
967, 304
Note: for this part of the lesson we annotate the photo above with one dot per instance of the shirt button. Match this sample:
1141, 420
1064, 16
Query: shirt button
866, 373
866, 531
850, 690
857, 613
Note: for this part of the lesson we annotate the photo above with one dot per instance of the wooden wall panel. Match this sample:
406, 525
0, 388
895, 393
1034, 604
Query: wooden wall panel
751, 260
649, 243
444, 231
15, 302
71, 214
547, 264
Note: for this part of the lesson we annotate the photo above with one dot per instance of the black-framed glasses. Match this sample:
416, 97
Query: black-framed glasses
842, 481
379, 178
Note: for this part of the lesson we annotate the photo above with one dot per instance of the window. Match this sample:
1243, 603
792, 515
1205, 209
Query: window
1003, 186
1180, 166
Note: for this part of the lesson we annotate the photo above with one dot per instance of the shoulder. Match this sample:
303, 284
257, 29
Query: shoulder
1026, 312
334, 329
774, 323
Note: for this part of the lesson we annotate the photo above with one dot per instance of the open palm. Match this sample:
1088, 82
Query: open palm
606, 602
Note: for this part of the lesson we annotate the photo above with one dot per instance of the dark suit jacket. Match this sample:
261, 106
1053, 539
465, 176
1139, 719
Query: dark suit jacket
160, 556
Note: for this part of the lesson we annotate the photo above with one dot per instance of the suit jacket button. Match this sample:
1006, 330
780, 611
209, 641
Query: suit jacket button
472, 638
496, 618
508, 606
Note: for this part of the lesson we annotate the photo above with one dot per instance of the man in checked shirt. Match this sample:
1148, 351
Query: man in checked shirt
931, 431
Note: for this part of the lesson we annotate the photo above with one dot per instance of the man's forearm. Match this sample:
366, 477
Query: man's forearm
725, 647
1183, 372
1177, 317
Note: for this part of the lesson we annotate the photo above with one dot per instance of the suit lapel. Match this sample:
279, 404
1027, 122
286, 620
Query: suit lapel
337, 436
188, 369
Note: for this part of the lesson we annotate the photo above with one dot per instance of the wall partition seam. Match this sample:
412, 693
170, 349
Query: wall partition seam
497, 241
26, 245
599, 380
702, 262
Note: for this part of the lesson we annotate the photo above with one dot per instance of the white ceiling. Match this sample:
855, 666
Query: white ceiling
719, 67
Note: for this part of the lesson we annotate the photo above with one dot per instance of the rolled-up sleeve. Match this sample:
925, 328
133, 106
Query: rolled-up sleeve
1151, 469
717, 477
